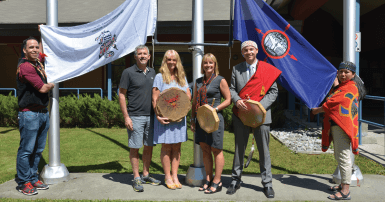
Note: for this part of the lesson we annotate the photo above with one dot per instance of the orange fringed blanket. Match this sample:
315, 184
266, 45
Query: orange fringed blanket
341, 106
258, 85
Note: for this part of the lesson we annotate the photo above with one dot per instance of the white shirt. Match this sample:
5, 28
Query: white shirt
251, 69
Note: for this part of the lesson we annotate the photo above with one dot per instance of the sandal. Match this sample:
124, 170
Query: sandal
178, 186
217, 188
170, 186
343, 196
335, 188
202, 188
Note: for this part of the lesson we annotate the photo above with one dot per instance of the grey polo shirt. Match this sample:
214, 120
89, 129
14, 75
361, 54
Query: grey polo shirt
139, 90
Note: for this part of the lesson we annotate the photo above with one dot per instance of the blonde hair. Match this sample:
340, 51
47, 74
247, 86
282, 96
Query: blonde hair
214, 59
178, 72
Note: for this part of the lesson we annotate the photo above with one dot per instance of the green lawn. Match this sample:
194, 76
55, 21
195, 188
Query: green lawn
103, 150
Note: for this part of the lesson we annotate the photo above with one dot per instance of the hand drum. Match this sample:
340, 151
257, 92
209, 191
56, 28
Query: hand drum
255, 114
208, 118
173, 103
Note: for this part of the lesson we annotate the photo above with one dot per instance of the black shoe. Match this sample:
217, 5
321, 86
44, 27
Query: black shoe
217, 188
202, 188
269, 192
233, 188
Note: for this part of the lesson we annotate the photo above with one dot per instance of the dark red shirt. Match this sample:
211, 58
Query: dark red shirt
27, 73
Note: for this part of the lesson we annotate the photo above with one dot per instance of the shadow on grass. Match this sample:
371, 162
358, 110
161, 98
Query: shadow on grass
152, 165
113, 165
6, 131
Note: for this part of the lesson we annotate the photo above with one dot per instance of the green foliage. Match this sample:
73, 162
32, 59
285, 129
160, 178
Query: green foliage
227, 112
90, 112
8, 110
86, 111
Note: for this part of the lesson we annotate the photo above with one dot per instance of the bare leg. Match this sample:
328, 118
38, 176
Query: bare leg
134, 158
219, 164
207, 162
175, 160
146, 158
165, 158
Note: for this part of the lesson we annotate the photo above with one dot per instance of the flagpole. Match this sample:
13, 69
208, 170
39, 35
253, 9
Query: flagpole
55, 171
349, 54
196, 173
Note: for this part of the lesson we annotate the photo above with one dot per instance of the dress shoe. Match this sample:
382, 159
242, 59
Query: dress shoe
233, 188
269, 192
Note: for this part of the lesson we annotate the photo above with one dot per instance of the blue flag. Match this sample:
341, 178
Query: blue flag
305, 72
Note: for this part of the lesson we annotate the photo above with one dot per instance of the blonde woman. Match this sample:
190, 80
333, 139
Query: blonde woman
208, 87
170, 134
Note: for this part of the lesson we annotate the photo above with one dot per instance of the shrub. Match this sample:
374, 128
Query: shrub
227, 113
9, 109
88, 111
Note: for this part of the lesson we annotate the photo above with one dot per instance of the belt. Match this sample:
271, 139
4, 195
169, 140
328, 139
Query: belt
45, 110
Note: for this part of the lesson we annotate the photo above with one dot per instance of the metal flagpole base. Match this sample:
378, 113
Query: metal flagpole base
356, 180
196, 176
54, 174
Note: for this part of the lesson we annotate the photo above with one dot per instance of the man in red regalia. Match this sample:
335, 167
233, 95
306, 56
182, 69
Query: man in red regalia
253, 79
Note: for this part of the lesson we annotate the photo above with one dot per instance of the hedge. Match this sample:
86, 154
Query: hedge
8, 110
93, 111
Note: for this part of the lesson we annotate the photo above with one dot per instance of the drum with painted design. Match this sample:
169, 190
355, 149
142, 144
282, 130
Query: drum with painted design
173, 103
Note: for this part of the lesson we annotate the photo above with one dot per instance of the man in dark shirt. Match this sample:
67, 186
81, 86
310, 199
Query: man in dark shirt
136, 82
32, 91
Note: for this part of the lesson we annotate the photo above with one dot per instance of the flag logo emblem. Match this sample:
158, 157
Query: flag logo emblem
276, 43
107, 42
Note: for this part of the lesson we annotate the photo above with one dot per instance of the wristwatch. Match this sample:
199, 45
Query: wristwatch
216, 109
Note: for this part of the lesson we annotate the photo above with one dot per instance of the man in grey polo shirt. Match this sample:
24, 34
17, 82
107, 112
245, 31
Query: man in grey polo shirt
136, 82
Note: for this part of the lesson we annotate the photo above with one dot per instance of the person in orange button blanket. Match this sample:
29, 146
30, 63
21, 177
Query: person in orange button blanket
341, 123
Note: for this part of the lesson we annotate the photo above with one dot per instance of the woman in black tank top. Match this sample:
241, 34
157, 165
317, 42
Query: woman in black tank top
208, 87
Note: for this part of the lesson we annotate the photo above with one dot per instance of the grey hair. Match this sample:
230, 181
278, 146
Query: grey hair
141, 47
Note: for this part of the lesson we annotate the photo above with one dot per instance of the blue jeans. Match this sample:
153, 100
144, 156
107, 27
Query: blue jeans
33, 127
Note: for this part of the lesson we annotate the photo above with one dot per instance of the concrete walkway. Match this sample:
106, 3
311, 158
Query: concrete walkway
100, 186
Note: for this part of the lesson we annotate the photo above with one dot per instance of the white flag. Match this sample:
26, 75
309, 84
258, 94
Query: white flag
74, 51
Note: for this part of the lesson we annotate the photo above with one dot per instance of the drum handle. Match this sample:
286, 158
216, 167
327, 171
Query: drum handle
212, 104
